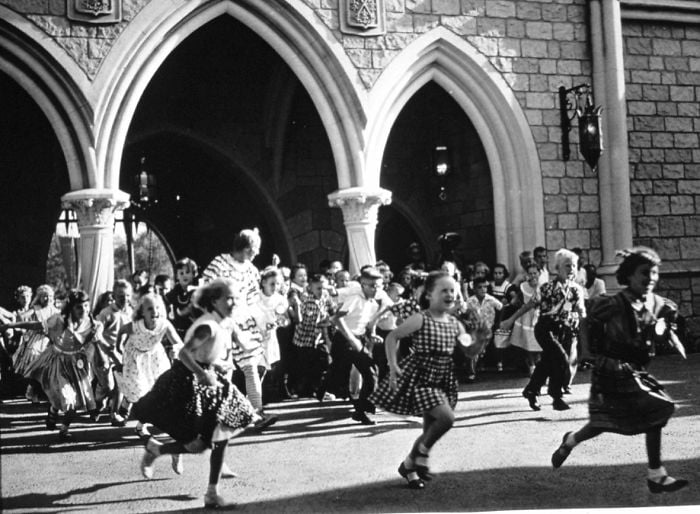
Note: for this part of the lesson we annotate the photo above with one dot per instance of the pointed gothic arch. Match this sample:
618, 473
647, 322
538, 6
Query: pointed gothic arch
40, 67
291, 28
483, 94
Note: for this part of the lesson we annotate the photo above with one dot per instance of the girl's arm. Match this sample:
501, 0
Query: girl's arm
201, 335
122, 336
27, 325
174, 338
507, 324
391, 343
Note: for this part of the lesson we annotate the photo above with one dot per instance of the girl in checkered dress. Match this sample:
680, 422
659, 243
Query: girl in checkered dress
424, 383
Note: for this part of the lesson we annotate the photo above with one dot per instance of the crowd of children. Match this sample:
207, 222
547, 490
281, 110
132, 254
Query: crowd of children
259, 336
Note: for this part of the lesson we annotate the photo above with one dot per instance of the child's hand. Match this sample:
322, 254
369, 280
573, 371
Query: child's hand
394, 375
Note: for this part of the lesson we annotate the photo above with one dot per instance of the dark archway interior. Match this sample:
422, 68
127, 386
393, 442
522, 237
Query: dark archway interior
432, 118
227, 126
33, 177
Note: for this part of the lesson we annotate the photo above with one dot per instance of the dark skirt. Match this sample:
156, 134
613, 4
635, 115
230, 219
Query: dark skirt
185, 409
626, 399
426, 381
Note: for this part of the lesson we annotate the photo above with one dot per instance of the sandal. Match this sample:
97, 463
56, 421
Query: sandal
411, 476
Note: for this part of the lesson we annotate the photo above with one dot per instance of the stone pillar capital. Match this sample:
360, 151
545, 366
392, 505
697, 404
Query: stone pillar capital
95, 207
360, 206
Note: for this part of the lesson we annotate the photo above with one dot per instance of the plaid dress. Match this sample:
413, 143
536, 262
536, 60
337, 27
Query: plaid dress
428, 378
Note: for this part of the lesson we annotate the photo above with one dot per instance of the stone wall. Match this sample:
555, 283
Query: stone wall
663, 100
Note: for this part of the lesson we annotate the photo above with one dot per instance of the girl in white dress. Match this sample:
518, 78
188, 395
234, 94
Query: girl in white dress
145, 358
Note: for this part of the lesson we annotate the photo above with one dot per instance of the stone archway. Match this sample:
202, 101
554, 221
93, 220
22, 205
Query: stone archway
479, 89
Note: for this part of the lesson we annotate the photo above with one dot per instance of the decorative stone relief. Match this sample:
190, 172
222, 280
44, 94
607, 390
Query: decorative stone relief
94, 11
359, 205
363, 17
95, 211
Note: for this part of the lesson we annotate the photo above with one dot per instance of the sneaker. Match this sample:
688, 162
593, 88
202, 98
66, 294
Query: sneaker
664, 486
559, 404
226, 472
216, 501
142, 432
117, 420
178, 466
264, 422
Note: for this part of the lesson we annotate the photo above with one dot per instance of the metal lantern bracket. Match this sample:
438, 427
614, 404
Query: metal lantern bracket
578, 101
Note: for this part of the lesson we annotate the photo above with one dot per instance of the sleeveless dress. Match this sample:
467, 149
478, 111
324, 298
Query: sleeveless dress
523, 334
33, 342
63, 369
144, 359
428, 374
179, 405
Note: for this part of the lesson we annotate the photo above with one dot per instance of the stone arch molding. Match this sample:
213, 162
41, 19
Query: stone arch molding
290, 27
38, 65
480, 90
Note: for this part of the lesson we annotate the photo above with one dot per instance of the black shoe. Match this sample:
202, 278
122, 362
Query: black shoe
51, 419
561, 453
531, 399
413, 483
65, 437
264, 422
662, 487
362, 418
567, 390
559, 404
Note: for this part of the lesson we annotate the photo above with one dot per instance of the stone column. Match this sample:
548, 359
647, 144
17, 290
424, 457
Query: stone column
613, 168
95, 210
360, 206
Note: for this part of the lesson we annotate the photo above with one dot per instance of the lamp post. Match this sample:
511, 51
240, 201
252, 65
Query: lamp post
441, 168
578, 101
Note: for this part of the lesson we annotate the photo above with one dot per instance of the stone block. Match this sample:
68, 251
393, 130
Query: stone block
676, 124
360, 58
509, 47
395, 5
577, 238
638, 45
577, 14
690, 247
662, 140
641, 108
567, 221
486, 45
555, 204
474, 7
640, 139
27, 6
532, 48
329, 17
539, 83
548, 67
548, 151
590, 186
671, 226
425, 22
555, 239
573, 203
678, 156
648, 123
655, 30
501, 8
655, 92
571, 186
419, 6
692, 225
689, 109
554, 168
573, 50
692, 171
369, 77
690, 77
540, 100
647, 226
446, 7
672, 171
538, 30
529, 11
569, 67
682, 93
503, 64
382, 58
665, 47
689, 187
685, 140
55, 26
694, 63
99, 48
461, 25
523, 65
399, 22
540, 134
667, 109
491, 27
534, 116
57, 7
587, 220
665, 187
641, 187
515, 28
356, 42
645, 77
652, 155
550, 186
677, 64
668, 248
656, 63
657, 205
563, 32
550, 221
554, 12
634, 92
589, 203
637, 205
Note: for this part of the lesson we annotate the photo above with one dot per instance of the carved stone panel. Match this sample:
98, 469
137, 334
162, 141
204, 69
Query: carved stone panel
363, 17
94, 11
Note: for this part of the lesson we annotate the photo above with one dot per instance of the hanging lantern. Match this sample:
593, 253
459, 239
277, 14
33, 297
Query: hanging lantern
146, 191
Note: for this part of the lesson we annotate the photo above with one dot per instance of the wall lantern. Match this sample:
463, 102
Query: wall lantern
579, 101
441, 168
146, 190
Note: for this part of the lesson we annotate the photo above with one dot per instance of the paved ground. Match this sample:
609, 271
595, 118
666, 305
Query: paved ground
315, 459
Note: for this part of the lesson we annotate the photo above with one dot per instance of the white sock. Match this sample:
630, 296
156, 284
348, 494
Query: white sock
570, 440
212, 489
659, 475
